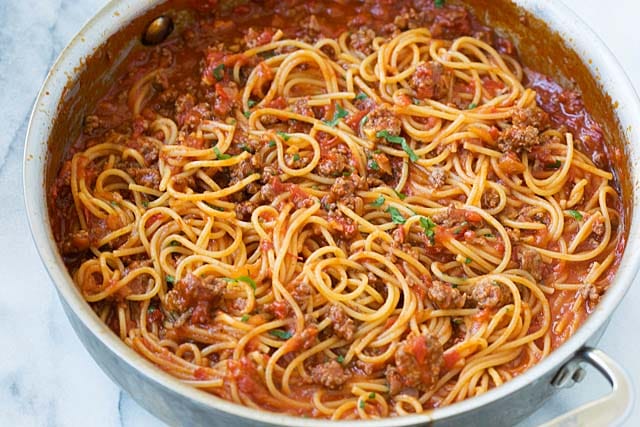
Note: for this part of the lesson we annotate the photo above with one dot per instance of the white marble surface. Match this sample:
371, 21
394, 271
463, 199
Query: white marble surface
46, 376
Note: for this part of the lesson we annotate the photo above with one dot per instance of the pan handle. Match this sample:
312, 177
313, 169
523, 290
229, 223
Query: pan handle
607, 410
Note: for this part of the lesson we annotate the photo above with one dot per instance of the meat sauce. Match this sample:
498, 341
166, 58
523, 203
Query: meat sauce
189, 57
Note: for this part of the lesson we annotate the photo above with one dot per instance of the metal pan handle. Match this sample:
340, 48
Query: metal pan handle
607, 410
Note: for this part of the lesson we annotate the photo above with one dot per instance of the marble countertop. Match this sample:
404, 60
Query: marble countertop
46, 376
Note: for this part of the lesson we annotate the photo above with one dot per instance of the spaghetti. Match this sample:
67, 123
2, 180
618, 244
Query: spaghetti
335, 227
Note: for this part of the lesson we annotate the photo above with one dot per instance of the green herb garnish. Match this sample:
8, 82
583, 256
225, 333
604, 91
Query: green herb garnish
174, 243
472, 105
438, 3
373, 165
362, 404
339, 114
251, 103
428, 225
171, 280
247, 114
372, 395
220, 155
378, 202
284, 335
361, 96
468, 260
296, 157
396, 216
340, 359
244, 318
246, 279
394, 139
283, 135
576, 215
272, 144
400, 195
554, 165
218, 72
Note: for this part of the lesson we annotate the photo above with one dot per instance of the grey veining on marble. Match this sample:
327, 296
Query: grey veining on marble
46, 376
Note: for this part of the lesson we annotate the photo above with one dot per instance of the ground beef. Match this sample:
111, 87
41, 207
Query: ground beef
148, 177
279, 309
193, 292
437, 177
344, 191
362, 39
343, 326
146, 147
448, 23
531, 116
245, 168
490, 294
430, 81
332, 164
455, 217
329, 374
530, 260
444, 296
519, 138
598, 228
244, 210
382, 118
418, 362
301, 106
589, 292
490, 199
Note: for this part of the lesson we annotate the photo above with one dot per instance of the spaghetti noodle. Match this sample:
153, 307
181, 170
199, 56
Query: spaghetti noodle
339, 228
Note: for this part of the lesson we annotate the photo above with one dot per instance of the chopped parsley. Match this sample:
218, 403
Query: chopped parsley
457, 321
174, 243
145, 204
251, 103
272, 143
244, 318
340, 359
438, 3
472, 105
279, 333
113, 203
361, 96
171, 280
554, 165
576, 215
372, 395
378, 202
218, 72
400, 195
416, 101
247, 114
373, 165
151, 309
296, 157
428, 225
394, 139
489, 235
468, 260
220, 155
246, 279
339, 114
283, 135
396, 216
362, 404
